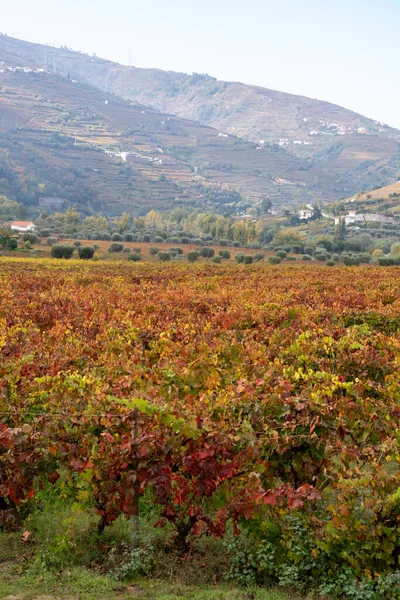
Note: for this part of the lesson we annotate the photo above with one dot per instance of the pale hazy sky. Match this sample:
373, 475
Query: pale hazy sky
342, 51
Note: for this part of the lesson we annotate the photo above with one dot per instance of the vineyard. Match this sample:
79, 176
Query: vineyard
254, 403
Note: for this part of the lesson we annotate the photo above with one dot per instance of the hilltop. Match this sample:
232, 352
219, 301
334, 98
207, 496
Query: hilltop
249, 141
384, 200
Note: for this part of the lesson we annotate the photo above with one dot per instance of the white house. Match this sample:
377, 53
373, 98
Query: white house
22, 226
305, 214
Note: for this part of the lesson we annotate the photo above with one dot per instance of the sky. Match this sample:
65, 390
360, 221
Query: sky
342, 51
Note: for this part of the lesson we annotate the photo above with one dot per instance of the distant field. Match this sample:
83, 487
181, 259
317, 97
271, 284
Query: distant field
145, 248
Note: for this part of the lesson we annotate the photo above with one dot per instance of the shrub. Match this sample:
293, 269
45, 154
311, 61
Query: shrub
154, 250
164, 256
306, 257
206, 252
31, 237
128, 237
146, 237
126, 250
115, 247
327, 244
77, 244
11, 243
386, 261
258, 256
177, 250
62, 251
85, 252
239, 257
224, 254
116, 237
137, 250
365, 258
158, 239
281, 254
134, 256
236, 244
217, 260
104, 235
309, 250
330, 263
297, 249
350, 261
51, 241
192, 256
274, 260
247, 259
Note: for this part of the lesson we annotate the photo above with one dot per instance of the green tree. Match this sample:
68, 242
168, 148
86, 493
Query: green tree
85, 252
5, 235
266, 205
123, 222
340, 230
12, 244
62, 251
206, 252
192, 256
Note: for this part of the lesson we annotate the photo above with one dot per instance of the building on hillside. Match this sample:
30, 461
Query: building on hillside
51, 202
305, 214
352, 217
22, 226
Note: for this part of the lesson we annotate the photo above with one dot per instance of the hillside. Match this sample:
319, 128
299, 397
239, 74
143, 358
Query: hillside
384, 200
343, 151
312, 151
59, 137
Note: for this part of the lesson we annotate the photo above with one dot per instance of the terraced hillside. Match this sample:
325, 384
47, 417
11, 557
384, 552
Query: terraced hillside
342, 151
98, 150
91, 146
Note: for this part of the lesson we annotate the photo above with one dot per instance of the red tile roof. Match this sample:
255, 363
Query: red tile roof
21, 223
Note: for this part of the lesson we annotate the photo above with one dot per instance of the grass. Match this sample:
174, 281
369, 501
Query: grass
64, 560
80, 584
24, 578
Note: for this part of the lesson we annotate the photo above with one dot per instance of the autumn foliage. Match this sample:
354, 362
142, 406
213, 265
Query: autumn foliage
233, 395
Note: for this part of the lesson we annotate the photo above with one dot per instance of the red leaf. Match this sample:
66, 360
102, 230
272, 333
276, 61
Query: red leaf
270, 499
295, 503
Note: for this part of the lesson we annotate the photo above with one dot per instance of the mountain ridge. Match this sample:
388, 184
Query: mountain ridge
327, 155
